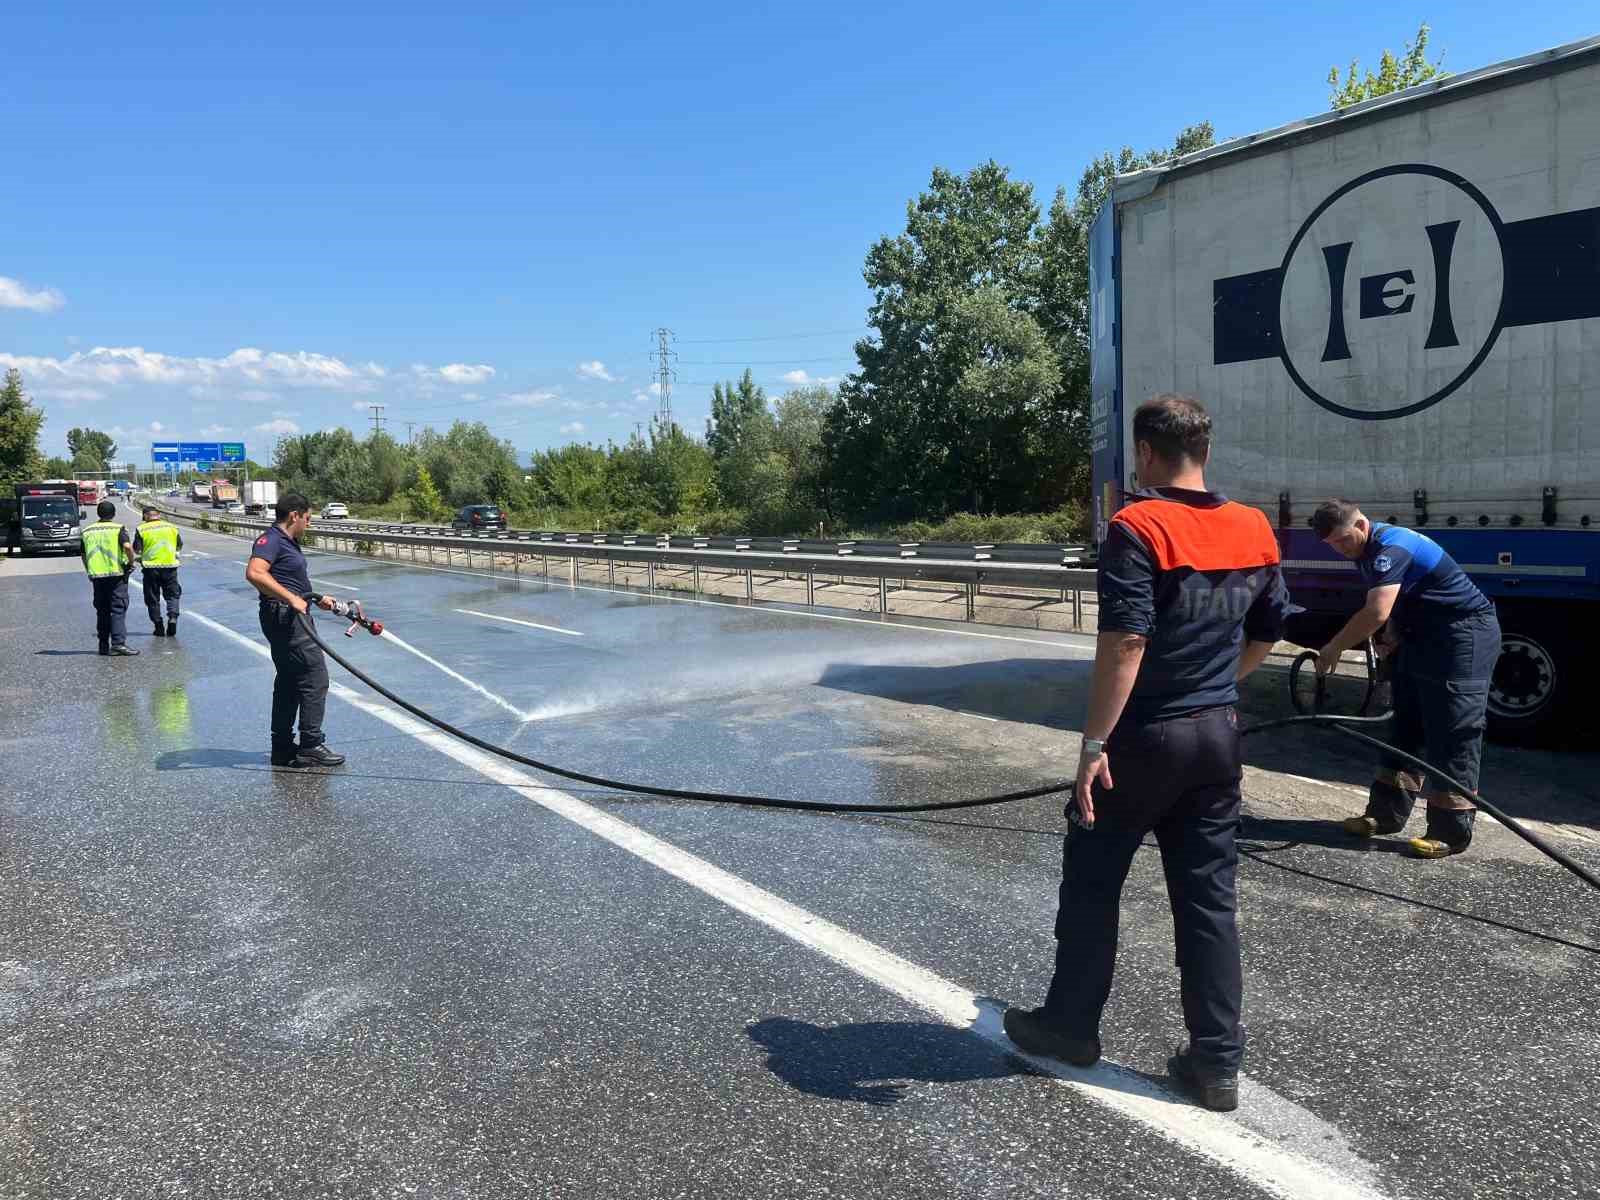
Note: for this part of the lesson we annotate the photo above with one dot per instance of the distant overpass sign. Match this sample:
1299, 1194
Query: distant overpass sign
200, 455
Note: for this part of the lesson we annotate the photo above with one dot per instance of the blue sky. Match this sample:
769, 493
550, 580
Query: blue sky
231, 221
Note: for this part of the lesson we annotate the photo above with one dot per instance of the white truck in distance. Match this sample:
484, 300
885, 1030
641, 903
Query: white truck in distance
1398, 303
260, 496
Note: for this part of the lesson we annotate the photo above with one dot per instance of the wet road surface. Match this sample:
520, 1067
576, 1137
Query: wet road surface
431, 973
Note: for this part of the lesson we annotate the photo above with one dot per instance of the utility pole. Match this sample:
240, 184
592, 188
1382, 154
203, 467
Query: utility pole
377, 416
664, 354
410, 425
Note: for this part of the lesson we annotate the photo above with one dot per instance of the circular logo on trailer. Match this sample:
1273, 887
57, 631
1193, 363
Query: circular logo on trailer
1391, 292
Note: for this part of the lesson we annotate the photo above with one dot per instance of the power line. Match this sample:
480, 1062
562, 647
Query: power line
757, 362
772, 337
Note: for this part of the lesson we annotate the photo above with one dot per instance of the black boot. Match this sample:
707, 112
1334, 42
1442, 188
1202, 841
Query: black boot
172, 626
160, 630
1214, 1090
1035, 1032
1388, 809
317, 756
1449, 832
105, 649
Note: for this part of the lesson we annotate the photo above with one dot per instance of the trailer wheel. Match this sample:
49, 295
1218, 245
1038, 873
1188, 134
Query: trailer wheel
1533, 677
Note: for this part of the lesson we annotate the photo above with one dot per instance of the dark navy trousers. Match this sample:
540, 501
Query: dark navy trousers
111, 609
300, 688
159, 583
1179, 778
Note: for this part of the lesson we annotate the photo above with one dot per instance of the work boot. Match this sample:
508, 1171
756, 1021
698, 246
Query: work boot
1033, 1031
160, 630
172, 626
317, 756
283, 753
122, 651
1449, 832
105, 649
1388, 810
1218, 1092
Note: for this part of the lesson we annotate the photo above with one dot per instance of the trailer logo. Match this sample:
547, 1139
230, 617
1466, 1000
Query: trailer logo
1391, 292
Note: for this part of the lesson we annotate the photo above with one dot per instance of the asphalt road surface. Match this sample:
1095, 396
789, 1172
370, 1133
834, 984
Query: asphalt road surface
433, 973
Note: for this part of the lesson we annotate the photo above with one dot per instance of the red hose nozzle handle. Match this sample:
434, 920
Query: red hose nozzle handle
375, 628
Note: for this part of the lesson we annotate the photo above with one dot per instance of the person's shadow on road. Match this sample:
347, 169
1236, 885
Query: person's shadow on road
1295, 831
869, 1061
199, 757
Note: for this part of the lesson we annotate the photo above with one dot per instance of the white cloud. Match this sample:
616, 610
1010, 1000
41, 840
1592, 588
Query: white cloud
16, 294
800, 378
135, 364
533, 399
257, 396
572, 427
456, 373
213, 431
278, 425
70, 395
595, 369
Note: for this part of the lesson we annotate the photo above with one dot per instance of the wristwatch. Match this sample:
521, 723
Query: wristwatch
1094, 745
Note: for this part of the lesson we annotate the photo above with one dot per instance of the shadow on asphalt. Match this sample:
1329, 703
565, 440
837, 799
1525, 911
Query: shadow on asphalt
199, 758
869, 1062
1294, 832
65, 653
1035, 691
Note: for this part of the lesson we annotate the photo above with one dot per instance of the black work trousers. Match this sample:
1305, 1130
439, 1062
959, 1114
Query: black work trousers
1441, 701
1180, 778
161, 582
301, 685
110, 609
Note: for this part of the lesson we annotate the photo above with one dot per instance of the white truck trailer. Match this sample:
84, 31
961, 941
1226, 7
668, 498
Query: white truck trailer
260, 495
1398, 303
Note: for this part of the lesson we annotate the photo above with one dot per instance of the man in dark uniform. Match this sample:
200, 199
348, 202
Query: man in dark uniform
1191, 601
277, 570
1444, 637
157, 542
108, 559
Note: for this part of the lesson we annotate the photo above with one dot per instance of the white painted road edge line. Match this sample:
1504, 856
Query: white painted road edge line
342, 586
1264, 1163
472, 612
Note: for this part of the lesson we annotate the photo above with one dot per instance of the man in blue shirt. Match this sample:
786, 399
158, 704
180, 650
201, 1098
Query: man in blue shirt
1445, 639
277, 570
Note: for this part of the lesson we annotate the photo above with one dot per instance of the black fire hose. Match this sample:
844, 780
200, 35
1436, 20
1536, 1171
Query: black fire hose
1337, 723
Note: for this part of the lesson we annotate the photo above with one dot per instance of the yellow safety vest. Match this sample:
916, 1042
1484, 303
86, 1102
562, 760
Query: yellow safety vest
102, 544
158, 544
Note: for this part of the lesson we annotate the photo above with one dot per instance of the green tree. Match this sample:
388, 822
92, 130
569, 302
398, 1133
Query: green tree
91, 450
424, 499
20, 423
573, 477
800, 417
1063, 311
55, 468
740, 435
1393, 74
679, 472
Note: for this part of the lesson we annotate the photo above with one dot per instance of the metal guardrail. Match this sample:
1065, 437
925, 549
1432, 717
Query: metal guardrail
999, 552
961, 563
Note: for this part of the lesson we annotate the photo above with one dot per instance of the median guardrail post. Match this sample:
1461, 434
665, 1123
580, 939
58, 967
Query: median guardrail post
972, 602
749, 586
883, 595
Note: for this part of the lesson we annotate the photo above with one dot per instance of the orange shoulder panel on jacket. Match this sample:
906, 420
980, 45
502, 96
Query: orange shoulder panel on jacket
1229, 537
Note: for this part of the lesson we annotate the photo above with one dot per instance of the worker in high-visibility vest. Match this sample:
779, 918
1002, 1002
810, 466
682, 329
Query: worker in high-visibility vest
157, 542
108, 558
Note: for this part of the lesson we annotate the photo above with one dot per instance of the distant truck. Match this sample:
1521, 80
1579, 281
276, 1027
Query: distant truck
200, 490
91, 492
45, 516
260, 495
223, 493
1397, 303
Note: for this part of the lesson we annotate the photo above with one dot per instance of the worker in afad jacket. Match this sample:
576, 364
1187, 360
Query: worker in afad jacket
1445, 639
157, 542
108, 559
1192, 600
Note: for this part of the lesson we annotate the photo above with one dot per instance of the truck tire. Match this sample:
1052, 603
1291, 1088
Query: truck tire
1534, 689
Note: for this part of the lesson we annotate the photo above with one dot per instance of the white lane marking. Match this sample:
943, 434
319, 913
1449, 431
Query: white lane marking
1265, 1160
341, 586
458, 677
472, 612
977, 716
765, 607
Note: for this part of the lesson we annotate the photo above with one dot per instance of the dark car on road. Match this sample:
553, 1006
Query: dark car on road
479, 516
